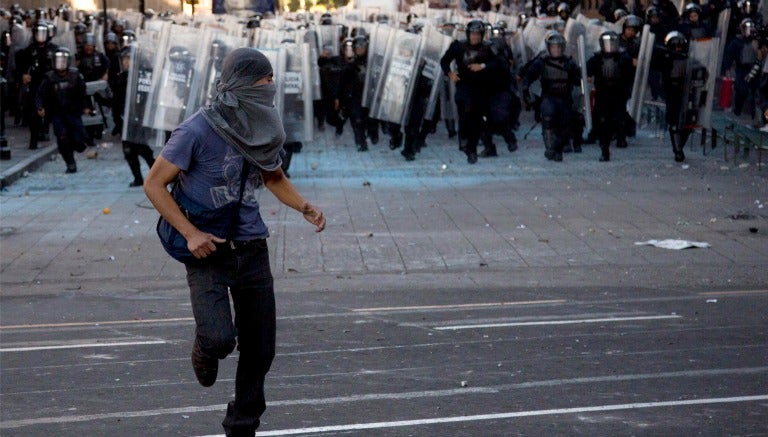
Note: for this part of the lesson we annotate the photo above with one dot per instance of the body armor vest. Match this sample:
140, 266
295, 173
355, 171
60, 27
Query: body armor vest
747, 57
554, 78
63, 99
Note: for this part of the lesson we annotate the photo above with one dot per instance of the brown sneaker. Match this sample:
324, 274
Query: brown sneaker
206, 368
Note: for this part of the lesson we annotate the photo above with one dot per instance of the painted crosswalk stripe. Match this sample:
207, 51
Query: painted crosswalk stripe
81, 345
556, 322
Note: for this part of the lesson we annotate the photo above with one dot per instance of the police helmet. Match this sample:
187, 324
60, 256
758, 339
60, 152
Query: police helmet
633, 22
609, 42
502, 24
522, 19
128, 37
551, 10
179, 54
382, 19
555, 38
348, 48
253, 23
110, 38
360, 42
677, 42
497, 32
563, 10
691, 8
747, 7
358, 31
62, 59
652, 12
326, 19
118, 26
80, 29
89, 39
40, 32
747, 27
476, 26
618, 14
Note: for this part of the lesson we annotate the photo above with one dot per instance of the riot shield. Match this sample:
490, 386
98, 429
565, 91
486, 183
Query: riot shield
393, 95
65, 39
377, 58
297, 106
586, 89
179, 62
699, 89
640, 84
573, 30
310, 37
721, 31
435, 45
330, 39
534, 35
139, 84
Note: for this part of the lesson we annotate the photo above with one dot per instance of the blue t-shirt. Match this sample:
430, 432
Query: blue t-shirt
211, 174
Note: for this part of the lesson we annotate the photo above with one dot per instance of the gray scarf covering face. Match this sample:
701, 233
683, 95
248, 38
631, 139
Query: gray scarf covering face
244, 115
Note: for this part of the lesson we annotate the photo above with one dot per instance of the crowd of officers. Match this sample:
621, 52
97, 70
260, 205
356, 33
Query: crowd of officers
47, 84
491, 89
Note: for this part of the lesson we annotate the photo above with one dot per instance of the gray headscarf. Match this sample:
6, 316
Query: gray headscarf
244, 114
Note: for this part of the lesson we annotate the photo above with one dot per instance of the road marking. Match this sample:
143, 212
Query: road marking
732, 293
499, 416
81, 345
459, 306
102, 323
555, 322
390, 396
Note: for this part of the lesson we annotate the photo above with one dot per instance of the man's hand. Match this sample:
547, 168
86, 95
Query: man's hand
201, 244
453, 76
313, 215
87, 111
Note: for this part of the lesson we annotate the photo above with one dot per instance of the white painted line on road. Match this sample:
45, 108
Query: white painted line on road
81, 345
511, 415
459, 306
102, 323
733, 293
555, 322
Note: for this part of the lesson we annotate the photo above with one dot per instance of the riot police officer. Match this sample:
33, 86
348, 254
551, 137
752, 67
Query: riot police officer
610, 70
32, 64
350, 99
477, 68
672, 60
740, 55
91, 63
559, 75
62, 98
692, 24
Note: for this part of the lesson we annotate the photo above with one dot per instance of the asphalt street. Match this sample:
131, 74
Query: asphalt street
505, 298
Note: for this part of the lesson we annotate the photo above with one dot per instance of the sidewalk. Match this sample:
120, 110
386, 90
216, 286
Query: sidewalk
517, 219
22, 159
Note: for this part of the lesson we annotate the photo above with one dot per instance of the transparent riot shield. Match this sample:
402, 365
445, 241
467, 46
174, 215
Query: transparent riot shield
179, 62
573, 30
393, 95
65, 39
297, 106
721, 31
534, 35
519, 50
378, 57
330, 39
434, 47
218, 45
701, 72
310, 37
586, 89
640, 84
139, 84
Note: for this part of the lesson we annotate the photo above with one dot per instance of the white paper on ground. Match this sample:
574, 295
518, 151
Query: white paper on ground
673, 244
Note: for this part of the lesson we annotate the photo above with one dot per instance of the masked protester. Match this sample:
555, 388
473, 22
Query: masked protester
63, 99
559, 75
217, 156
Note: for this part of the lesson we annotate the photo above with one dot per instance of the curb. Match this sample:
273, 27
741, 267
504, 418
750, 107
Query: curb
29, 163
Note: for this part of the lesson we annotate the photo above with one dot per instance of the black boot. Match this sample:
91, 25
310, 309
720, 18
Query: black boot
549, 143
605, 154
677, 144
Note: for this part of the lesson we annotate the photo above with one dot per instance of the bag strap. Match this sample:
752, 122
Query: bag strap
234, 219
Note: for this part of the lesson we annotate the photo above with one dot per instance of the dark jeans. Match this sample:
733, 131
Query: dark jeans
244, 273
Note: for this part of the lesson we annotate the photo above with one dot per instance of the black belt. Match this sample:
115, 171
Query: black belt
241, 244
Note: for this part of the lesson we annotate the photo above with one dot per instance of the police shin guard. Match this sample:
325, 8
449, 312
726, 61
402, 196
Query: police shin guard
549, 142
677, 144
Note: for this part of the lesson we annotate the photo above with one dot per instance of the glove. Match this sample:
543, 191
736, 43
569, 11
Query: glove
527, 99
